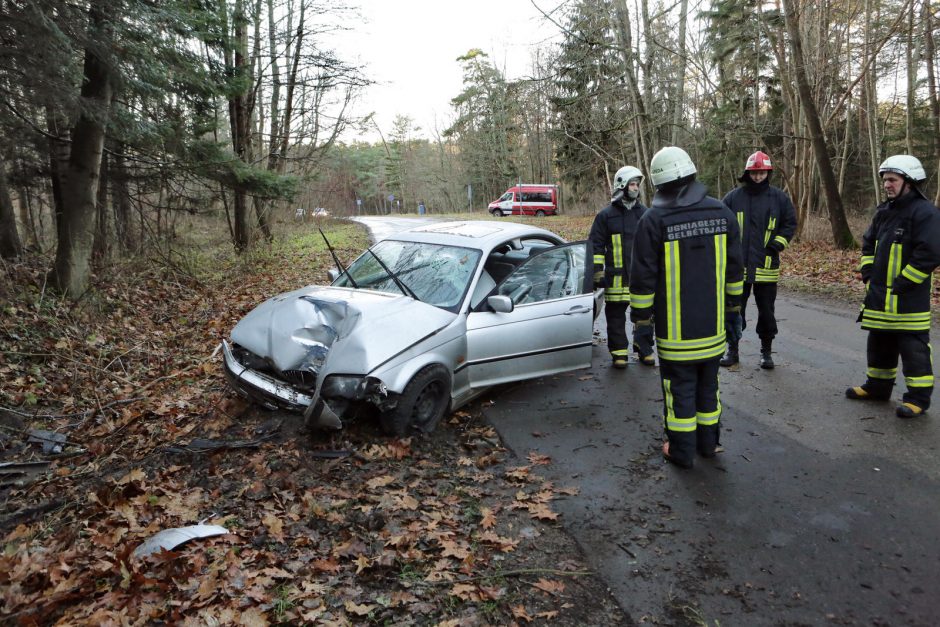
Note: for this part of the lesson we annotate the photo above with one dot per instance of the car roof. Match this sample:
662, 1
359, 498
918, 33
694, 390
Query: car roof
482, 234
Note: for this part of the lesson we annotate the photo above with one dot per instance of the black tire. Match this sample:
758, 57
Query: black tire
496, 213
539, 214
422, 404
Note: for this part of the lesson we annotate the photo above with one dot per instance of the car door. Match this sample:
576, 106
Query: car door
550, 327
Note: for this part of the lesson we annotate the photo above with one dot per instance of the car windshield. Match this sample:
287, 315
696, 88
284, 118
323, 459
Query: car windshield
438, 275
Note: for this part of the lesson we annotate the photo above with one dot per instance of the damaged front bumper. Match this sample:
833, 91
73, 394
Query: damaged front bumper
273, 393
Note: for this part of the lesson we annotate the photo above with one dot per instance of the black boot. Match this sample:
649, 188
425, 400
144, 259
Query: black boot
731, 358
766, 361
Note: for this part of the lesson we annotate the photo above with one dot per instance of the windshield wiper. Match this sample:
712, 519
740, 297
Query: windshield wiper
336, 260
407, 291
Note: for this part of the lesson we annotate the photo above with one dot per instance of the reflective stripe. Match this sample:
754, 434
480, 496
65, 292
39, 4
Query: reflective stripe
641, 301
913, 274
619, 352
689, 350
680, 424
872, 319
673, 298
686, 344
721, 259
708, 418
882, 373
617, 294
867, 260
735, 288
599, 260
765, 275
771, 223
925, 381
780, 239
618, 250
740, 215
668, 400
894, 269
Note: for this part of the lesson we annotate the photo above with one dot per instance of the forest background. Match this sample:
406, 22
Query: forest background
118, 116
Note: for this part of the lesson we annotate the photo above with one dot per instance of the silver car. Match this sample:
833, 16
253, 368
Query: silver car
419, 324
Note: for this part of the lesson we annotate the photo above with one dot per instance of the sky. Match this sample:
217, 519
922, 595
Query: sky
410, 49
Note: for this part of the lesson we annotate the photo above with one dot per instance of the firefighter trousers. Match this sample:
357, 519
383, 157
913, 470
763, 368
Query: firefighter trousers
765, 295
883, 350
617, 342
691, 408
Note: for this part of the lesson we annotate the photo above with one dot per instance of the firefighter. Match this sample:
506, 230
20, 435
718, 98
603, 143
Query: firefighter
685, 279
900, 250
767, 221
612, 241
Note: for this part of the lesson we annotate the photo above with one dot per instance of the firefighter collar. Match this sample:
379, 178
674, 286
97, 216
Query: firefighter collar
684, 196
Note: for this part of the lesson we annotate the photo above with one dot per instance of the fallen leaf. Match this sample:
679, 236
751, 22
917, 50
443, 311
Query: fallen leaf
549, 586
359, 610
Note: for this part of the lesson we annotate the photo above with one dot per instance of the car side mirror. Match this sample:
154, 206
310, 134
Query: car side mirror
333, 273
500, 304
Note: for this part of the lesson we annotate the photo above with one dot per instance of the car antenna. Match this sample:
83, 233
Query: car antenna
336, 259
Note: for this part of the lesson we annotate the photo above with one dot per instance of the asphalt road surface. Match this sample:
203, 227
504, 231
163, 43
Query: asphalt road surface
821, 510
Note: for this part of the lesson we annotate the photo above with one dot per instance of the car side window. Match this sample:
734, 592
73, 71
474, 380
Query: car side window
555, 273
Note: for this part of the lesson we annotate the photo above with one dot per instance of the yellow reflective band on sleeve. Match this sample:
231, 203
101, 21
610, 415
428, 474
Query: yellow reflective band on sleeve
618, 250
867, 260
599, 260
708, 418
925, 381
734, 288
673, 297
642, 301
882, 373
780, 239
721, 259
894, 269
913, 274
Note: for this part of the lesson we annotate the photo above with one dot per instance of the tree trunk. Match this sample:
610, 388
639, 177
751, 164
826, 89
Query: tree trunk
99, 249
625, 44
240, 115
10, 245
930, 52
678, 102
79, 192
121, 199
841, 234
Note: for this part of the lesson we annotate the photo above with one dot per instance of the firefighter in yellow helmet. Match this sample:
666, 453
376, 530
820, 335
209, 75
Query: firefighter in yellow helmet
900, 251
612, 241
686, 276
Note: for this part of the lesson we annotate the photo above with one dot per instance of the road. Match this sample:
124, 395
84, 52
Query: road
820, 511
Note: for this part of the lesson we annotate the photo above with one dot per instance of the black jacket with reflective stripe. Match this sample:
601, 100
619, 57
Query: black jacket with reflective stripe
765, 214
686, 268
612, 237
900, 251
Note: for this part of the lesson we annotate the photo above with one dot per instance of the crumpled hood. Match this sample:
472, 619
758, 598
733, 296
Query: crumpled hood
297, 330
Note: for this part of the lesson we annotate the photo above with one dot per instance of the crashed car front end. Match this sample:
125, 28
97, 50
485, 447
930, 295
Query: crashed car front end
312, 351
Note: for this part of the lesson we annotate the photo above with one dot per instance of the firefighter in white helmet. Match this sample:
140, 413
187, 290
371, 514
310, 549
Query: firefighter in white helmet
612, 242
900, 251
686, 276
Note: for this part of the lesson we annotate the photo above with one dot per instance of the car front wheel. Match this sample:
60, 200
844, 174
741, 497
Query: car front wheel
497, 213
422, 404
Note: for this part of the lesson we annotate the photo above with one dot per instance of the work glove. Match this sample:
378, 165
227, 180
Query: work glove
599, 279
641, 318
902, 285
775, 246
865, 272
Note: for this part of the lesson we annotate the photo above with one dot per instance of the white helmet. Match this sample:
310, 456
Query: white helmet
624, 175
907, 166
670, 164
